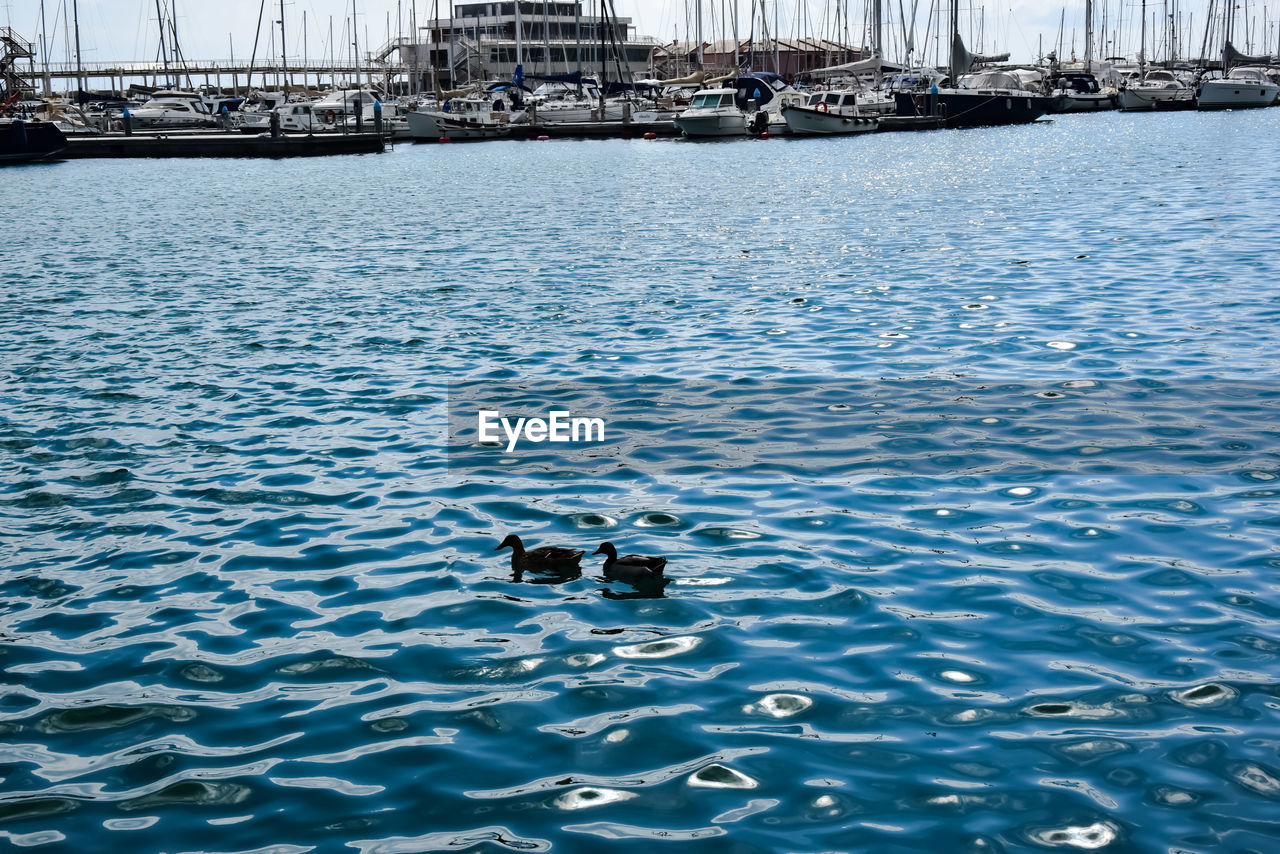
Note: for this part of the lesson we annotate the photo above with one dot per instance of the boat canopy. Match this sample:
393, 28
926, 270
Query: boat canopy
991, 80
759, 86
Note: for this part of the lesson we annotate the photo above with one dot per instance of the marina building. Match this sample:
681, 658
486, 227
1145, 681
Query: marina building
483, 41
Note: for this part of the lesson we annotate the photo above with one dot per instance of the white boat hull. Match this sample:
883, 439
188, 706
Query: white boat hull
805, 121
1138, 98
1231, 94
433, 125
714, 124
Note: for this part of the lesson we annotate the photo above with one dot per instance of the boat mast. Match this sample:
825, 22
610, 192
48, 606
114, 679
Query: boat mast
1142, 41
699, 32
1088, 35
284, 57
877, 24
355, 37
954, 64
75, 11
519, 37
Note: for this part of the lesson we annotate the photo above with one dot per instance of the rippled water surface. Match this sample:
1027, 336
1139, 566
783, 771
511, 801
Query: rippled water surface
250, 603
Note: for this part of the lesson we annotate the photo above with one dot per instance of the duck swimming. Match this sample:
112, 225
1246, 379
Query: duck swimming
633, 569
544, 557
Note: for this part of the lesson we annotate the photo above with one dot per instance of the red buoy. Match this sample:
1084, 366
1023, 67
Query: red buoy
543, 138
444, 139
650, 135
766, 135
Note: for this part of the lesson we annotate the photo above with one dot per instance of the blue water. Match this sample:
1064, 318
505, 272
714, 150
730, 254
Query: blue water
250, 603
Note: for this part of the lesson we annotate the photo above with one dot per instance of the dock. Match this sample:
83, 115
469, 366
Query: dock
215, 144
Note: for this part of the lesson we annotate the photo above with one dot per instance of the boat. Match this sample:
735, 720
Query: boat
829, 114
479, 115
979, 100
22, 141
1240, 89
169, 108
1079, 92
715, 112
1159, 89
992, 97
255, 112
1244, 84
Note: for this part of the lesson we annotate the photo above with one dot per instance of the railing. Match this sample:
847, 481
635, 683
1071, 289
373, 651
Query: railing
15, 45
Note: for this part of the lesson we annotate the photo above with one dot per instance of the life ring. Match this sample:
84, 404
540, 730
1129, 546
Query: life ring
330, 117
822, 107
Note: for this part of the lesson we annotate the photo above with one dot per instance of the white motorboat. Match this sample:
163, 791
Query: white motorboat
1240, 89
1159, 89
255, 112
829, 114
173, 109
715, 112
477, 116
337, 110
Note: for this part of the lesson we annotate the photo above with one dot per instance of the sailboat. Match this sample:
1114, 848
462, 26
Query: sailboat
992, 97
1243, 86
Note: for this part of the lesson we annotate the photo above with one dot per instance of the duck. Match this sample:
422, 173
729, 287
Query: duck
544, 557
633, 569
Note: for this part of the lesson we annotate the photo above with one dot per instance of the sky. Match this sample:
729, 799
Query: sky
126, 29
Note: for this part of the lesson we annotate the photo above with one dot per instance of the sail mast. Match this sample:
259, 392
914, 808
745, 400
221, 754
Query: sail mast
1088, 35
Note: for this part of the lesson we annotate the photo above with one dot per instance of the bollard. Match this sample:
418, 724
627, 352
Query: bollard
359, 118
128, 122
377, 117
275, 125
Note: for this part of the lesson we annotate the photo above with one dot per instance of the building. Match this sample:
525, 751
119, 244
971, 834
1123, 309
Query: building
486, 41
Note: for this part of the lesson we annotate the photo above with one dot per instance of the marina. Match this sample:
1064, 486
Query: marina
735, 472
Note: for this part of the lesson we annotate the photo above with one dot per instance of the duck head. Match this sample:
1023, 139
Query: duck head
512, 542
607, 550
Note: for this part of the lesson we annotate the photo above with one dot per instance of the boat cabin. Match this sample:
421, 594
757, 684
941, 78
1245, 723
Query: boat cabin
833, 100
711, 99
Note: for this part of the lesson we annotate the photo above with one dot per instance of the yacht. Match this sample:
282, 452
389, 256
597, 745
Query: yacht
24, 140
1079, 92
1243, 87
829, 114
984, 98
480, 115
255, 112
1159, 89
169, 108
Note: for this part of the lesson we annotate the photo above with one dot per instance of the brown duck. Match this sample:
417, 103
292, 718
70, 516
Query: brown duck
544, 557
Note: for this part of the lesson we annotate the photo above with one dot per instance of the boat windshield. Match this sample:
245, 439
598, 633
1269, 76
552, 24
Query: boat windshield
709, 101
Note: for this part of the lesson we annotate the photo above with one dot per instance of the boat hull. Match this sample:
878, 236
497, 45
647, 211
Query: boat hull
806, 121
712, 125
24, 141
432, 126
1138, 99
1235, 94
1082, 103
960, 108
